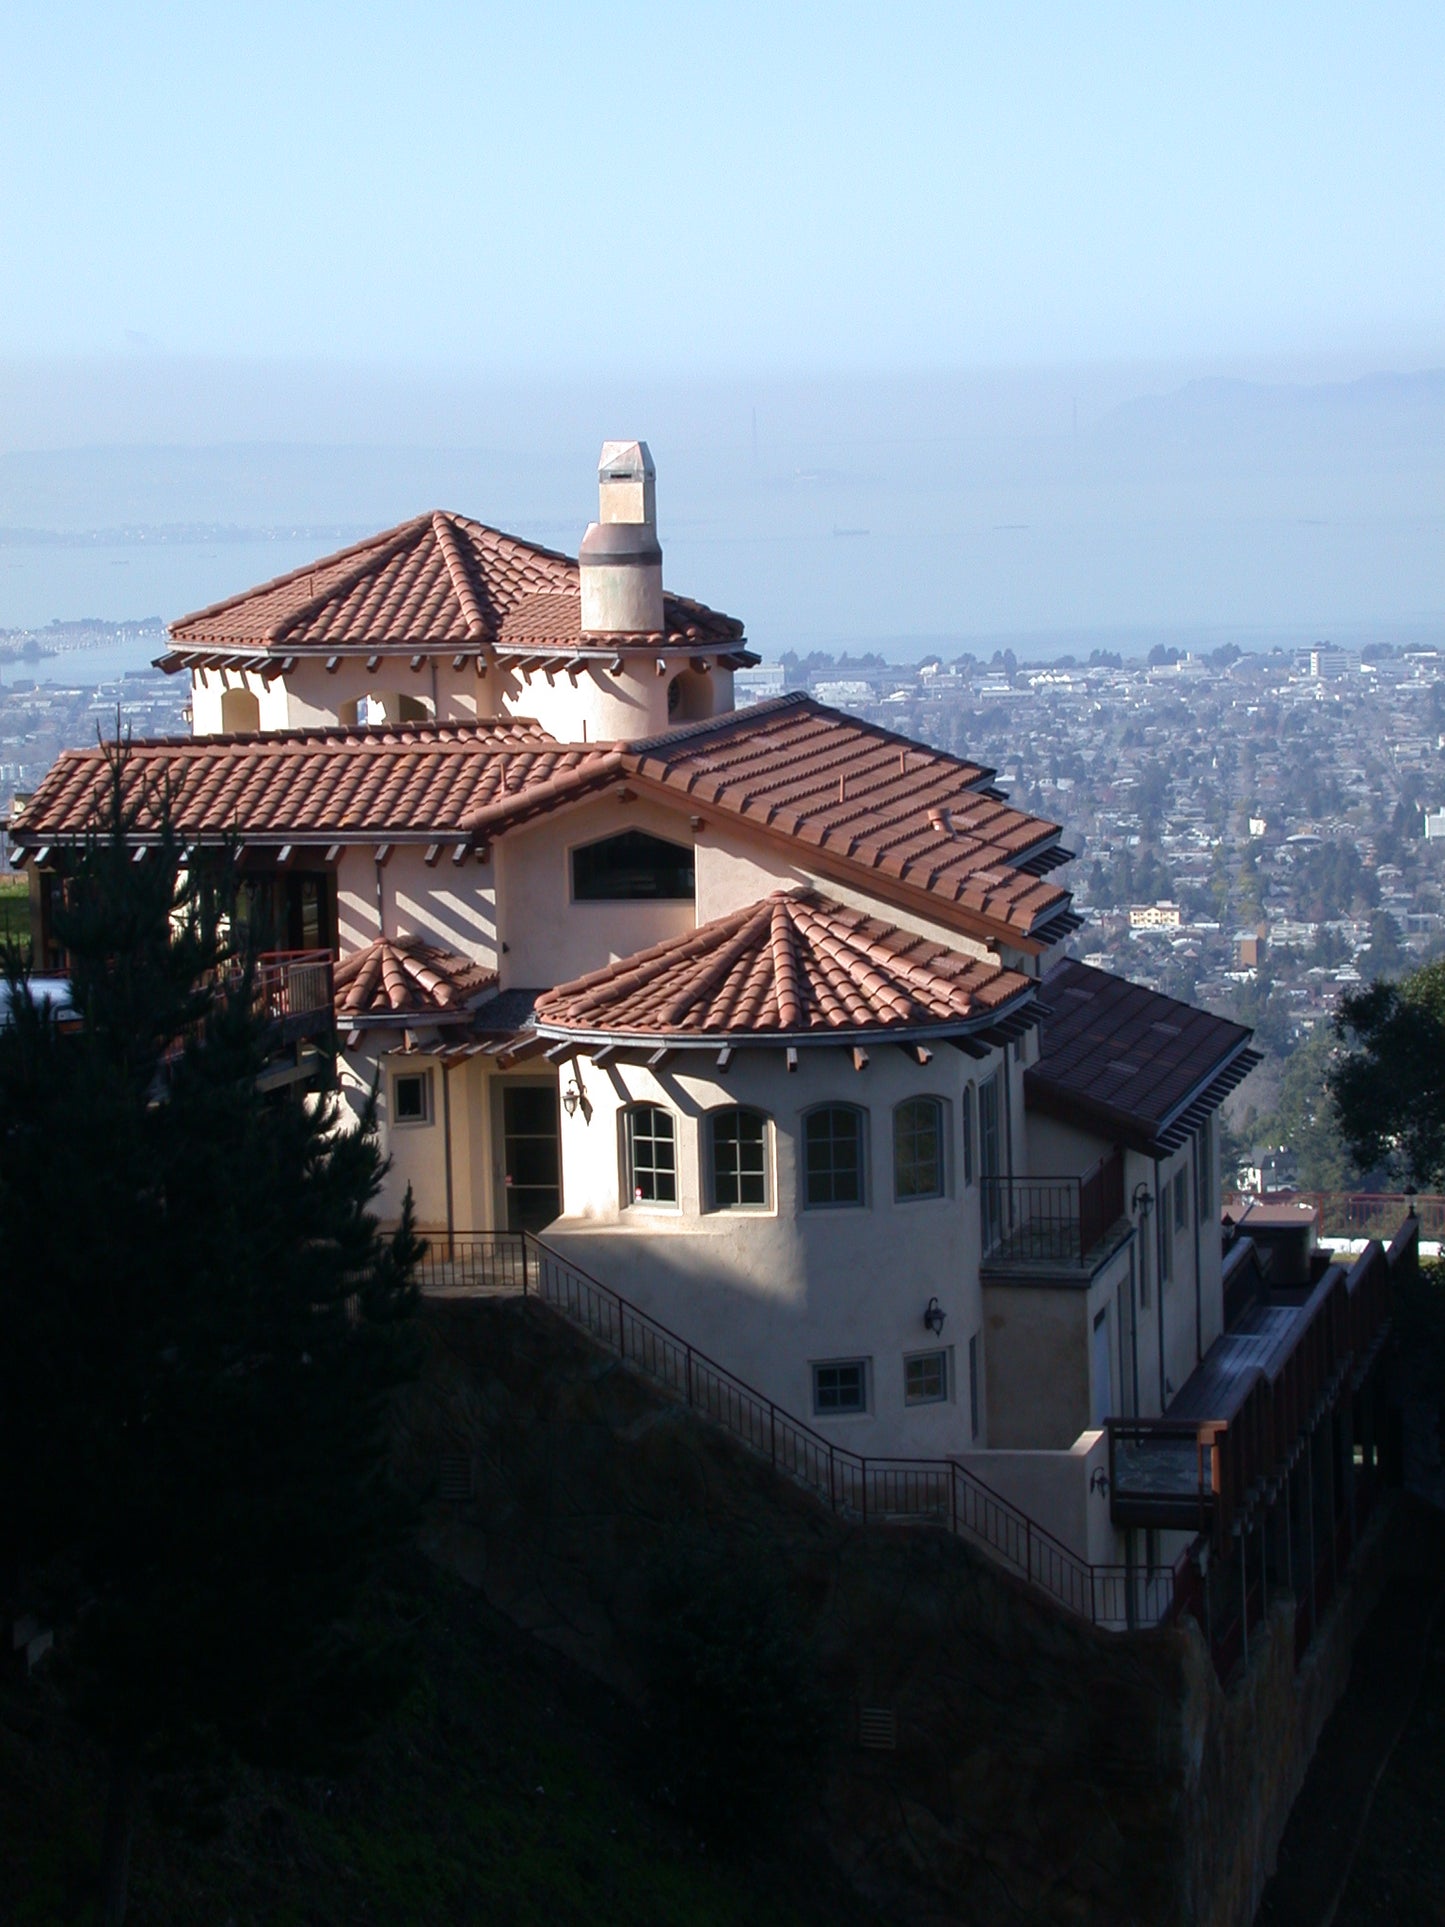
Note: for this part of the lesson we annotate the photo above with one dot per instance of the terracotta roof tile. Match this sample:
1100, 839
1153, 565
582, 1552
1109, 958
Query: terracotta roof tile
857, 797
796, 965
404, 782
438, 581
397, 977
1128, 1057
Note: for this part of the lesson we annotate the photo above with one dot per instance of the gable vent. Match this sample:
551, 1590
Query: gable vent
878, 1728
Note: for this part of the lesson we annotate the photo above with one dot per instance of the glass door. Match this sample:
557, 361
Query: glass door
531, 1156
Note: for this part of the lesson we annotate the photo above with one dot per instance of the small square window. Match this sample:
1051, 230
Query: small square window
925, 1379
841, 1387
411, 1098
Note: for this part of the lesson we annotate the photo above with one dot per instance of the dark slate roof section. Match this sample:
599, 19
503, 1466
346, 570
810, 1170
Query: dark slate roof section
1130, 1061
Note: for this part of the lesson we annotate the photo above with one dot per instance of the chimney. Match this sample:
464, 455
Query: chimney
620, 563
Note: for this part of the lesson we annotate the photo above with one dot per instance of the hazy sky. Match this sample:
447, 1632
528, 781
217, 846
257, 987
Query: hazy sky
695, 186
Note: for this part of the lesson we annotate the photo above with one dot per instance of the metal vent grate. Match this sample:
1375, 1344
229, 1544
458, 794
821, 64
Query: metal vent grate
878, 1728
456, 1478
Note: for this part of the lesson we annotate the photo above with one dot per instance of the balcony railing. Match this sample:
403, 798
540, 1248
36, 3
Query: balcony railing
1051, 1221
1358, 1214
293, 983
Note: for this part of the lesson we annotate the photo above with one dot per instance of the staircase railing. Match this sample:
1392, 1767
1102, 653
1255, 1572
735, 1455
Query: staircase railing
900, 1491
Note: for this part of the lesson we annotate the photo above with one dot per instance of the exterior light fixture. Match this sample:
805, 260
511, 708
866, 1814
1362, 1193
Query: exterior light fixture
575, 1098
934, 1316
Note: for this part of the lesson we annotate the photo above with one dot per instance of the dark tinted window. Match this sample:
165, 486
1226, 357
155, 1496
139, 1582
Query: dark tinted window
833, 1144
633, 865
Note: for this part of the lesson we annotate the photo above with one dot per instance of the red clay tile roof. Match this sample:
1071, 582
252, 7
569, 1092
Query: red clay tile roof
854, 801
398, 781
403, 977
793, 966
853, 796
440, 581
1141, 1065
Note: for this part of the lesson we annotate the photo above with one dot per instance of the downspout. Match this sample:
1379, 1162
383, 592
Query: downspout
447, 1152
1161, 1231
1197, 1142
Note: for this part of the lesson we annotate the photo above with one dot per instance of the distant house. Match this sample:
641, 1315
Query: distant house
1155, 916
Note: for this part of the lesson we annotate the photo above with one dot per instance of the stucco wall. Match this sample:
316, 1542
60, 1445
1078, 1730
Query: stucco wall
1053, 1489
549, 938
1038, 1364
769, 1292
450, 904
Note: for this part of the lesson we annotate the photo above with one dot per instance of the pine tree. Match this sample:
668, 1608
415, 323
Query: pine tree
201, 1329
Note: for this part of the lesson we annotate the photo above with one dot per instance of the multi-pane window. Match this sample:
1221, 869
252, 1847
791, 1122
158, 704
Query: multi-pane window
651, 1155
833, 1155
1181, 1200
840, 1387
739, 1159
925, 1378
918, 1149
968, 1135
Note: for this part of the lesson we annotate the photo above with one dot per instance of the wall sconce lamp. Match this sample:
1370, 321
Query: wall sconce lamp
1142, 1199
1098, 1480
575, 1098
934, 1316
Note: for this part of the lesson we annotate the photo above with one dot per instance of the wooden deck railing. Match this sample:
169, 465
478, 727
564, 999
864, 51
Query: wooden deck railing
1358, 1214
936, 1492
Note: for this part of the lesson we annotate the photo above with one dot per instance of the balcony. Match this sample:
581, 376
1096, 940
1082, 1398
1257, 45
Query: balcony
1053, 1224
293, 991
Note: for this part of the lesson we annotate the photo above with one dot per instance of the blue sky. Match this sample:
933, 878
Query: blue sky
695, 187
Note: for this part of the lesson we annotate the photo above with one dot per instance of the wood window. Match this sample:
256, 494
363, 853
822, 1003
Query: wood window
918, 1149
925, 1379
739, 1160
833, 1156
840, 1386
651, 1155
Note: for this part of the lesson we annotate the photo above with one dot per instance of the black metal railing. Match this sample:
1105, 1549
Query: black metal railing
937, 1492
1061, 1221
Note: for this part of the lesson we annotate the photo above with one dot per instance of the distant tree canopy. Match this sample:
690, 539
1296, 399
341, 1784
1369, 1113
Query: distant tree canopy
1389, 1086
1304, 1118
200, 1331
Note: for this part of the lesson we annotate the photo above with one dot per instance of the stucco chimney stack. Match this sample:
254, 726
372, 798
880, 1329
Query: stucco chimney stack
620, 562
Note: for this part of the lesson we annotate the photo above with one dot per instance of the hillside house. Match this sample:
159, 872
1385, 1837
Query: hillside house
761, 1016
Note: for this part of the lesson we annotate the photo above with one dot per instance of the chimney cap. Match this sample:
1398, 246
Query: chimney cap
625, 462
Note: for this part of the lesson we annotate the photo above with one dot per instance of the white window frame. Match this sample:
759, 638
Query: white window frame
428, 1110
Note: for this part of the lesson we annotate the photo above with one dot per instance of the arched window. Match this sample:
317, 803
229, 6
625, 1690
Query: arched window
739, 1140
833, 1156
240, 712
650, 1142
633, 865
918, 1149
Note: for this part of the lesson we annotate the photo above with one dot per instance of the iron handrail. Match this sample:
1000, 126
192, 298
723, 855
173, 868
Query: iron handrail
898, 1490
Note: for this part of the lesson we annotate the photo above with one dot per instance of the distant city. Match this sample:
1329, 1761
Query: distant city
1257, 832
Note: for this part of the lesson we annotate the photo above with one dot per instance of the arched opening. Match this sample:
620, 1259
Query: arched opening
690, 697
240, 712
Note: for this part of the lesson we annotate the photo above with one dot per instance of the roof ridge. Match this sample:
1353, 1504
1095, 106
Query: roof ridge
786, 973
446, 536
